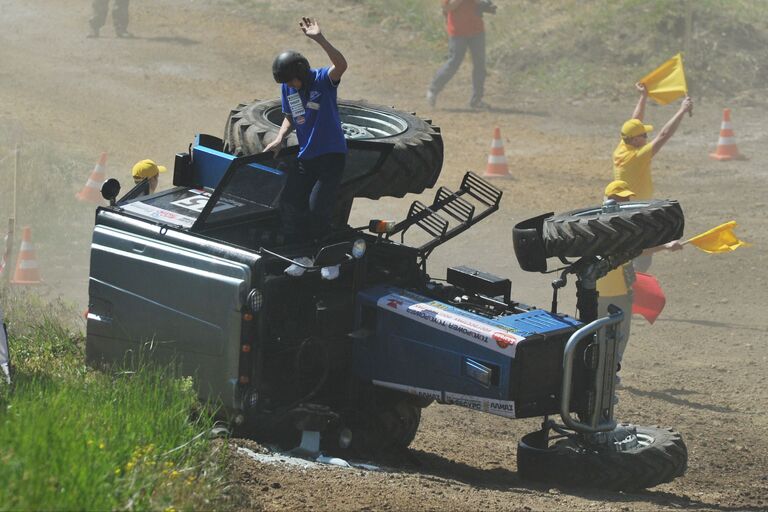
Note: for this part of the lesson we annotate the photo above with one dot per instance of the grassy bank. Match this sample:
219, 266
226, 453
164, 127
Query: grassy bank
73, 438
589, 48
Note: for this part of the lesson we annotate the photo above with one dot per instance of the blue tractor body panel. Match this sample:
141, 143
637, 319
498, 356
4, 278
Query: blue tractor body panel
432, 349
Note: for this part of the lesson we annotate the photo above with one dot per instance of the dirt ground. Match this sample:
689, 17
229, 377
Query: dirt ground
701, 368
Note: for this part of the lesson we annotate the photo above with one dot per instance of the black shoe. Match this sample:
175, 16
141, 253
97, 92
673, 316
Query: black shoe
124, 34
93, 34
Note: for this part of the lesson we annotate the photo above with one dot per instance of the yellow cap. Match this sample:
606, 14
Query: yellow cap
147, 169
635, 127
618, 188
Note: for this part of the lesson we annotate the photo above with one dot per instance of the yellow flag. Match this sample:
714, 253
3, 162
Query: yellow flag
719, 239
667, 82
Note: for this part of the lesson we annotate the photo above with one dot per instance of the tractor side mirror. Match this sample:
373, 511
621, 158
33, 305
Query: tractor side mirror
110, 189
333, 254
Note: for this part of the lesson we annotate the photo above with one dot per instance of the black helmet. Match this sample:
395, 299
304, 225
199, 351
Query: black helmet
289, 65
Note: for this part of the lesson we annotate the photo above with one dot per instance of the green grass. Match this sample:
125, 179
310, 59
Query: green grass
600, 47
72, 438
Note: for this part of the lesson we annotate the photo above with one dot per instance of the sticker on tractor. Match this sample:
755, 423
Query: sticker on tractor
504, 408
153, 212
444, 317
197, 200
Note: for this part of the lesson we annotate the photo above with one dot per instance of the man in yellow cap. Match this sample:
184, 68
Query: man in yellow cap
616, 287
147, 170
632, 157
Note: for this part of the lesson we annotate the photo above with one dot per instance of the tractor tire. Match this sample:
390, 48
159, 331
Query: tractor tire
660, 457
634, 227
389, 427
413, 164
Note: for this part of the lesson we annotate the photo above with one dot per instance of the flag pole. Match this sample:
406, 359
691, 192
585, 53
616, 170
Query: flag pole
8, 255
15, 177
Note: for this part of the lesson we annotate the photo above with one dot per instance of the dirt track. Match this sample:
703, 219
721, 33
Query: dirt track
701, 368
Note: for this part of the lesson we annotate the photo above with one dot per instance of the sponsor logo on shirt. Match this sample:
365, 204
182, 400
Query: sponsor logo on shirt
297, 108
314, 95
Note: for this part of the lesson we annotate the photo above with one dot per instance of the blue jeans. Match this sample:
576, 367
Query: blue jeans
457, 48
310, 196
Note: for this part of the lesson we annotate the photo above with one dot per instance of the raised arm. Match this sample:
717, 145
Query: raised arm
338, 63
671, 127
640, 107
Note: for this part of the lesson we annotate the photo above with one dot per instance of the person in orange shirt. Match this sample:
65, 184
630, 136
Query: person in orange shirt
465, 27
632, 157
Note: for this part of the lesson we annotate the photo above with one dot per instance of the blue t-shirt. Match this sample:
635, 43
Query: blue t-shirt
315, 116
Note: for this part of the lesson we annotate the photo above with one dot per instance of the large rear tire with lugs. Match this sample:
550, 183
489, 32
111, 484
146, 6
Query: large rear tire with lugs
403, 153
659, 456
630, 229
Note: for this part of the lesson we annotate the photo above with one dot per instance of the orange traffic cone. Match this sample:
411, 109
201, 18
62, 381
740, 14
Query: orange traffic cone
91, 192
26, 264
726, 144
497, 162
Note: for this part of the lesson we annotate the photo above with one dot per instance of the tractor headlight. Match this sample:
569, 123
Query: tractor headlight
255, 300
358, 248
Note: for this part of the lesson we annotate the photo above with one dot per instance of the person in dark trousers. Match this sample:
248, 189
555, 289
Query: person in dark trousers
310, 107
119, 17
465, 27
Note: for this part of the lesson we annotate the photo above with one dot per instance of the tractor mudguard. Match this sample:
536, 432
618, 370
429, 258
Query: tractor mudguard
529, 244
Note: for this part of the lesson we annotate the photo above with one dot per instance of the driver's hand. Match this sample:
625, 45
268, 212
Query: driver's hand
275, 146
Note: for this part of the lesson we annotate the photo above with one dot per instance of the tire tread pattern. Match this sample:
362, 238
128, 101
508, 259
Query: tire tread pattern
568, 464
413, 164
589, 232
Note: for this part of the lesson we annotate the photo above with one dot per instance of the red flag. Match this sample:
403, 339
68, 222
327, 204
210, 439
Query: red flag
648, 298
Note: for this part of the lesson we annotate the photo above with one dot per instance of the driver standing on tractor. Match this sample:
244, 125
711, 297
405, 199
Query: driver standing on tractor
310, 107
